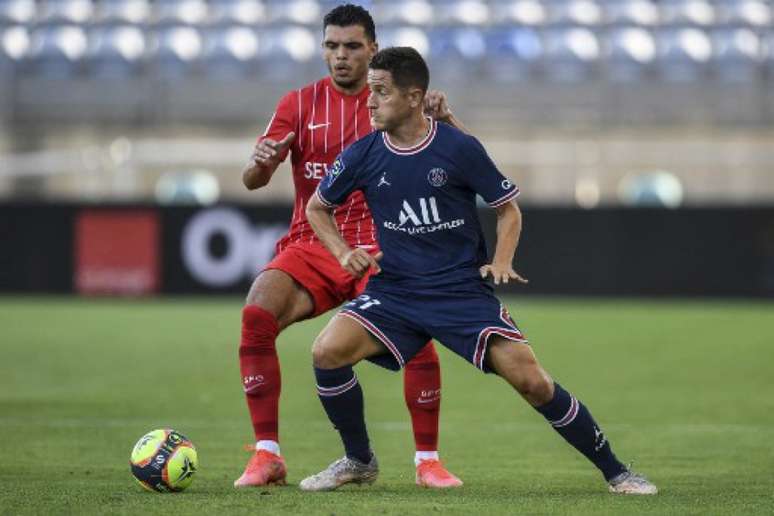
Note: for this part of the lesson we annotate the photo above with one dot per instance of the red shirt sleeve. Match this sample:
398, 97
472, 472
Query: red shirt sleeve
283, 121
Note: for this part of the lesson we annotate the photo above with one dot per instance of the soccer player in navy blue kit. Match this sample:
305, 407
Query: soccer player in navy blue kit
420, 180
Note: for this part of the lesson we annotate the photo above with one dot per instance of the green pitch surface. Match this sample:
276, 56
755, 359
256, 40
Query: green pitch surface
685, 389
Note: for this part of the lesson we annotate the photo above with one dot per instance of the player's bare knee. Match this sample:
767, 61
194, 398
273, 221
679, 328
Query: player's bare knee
277, 293
260, 296
326, 355
319, 353
538, 387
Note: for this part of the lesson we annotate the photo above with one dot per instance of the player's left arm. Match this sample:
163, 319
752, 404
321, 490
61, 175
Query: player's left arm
437, 107
509, 222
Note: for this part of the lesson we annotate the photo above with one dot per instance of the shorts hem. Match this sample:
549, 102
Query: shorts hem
482, 344
315, 302
377, 333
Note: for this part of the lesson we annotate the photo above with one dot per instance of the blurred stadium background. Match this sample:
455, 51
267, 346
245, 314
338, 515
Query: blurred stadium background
592, 106
640, 131
583, 101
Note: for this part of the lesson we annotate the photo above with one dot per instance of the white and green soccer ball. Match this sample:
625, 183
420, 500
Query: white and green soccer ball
164, 460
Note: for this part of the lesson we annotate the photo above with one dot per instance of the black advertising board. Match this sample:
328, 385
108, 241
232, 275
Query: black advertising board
145, 249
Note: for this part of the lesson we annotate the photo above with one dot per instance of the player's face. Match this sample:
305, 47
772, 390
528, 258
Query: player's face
347, 52
388, 104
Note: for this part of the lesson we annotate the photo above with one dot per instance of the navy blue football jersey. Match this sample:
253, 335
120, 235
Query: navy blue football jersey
423, 201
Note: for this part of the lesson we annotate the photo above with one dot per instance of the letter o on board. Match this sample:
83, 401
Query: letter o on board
203, 266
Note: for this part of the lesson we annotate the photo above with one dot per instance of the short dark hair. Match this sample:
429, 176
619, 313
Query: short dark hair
347, 15
406, 65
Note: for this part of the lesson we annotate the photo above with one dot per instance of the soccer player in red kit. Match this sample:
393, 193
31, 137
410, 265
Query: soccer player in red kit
314, 124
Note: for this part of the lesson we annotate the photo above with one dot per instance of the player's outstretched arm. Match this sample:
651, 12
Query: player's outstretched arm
355, 261
264, 161
437, 107
508, 233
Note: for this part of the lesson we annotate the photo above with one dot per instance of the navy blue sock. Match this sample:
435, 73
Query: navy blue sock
573, 421
341, 396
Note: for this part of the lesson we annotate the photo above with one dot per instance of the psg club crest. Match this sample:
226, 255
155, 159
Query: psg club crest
437, 177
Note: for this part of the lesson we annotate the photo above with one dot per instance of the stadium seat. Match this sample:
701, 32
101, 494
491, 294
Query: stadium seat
303, 12
631, 12
630, 53
513, 54
66, 11
687, 12
17, 12
519, 12
123, 11
574, 12
287, 52
461, 12
327, 5
175, 51
402, 12
571, 54
179, 12
116, 51
406, 36
245, 12
754, 13
456, 53
58, 51
683, 54
14, 46
230, 52
737, 55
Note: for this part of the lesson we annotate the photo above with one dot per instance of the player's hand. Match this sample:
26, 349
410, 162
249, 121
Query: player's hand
437, 105
358, 261
268, 151
501, 273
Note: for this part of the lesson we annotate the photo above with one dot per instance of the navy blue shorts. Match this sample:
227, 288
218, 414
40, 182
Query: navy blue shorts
462, 321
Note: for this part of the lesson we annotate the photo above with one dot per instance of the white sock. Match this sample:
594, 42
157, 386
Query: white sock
424, 455
269, 446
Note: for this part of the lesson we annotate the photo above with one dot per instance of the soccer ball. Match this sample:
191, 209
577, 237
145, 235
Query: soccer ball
164, 460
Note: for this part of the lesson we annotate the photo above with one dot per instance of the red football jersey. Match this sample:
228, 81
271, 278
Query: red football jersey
325, 121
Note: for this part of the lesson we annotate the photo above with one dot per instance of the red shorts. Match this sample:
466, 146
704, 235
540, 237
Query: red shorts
315, 269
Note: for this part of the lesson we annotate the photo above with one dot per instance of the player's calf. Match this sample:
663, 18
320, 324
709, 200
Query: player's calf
564, 412
422, 393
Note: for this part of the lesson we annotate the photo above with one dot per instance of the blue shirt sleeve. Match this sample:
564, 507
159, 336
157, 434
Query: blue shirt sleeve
483, 176
341, 179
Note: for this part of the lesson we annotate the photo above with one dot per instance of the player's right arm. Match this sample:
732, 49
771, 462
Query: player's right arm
273, 146
355, 261
339, 182
266, 157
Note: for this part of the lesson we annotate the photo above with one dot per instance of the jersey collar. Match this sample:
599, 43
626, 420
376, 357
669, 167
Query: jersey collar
406, 151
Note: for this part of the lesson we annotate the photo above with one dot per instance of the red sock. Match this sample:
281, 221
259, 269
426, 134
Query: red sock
260, 369
422, 389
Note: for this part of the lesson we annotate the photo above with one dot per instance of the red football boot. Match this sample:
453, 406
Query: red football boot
263, 469
431, 473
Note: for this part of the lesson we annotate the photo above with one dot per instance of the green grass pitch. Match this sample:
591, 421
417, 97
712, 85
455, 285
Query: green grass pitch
683, 388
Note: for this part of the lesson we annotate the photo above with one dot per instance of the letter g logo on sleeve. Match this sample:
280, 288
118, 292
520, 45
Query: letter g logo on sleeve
336, 169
